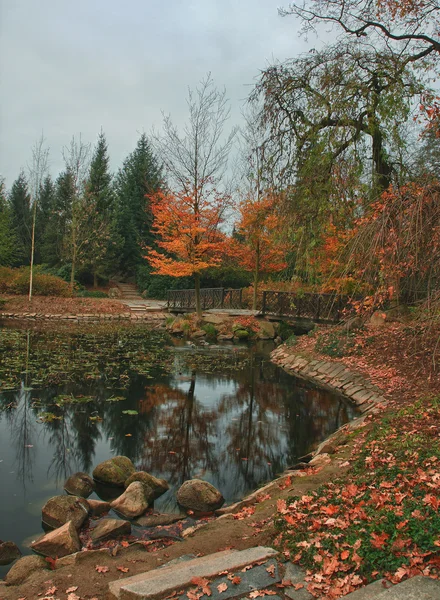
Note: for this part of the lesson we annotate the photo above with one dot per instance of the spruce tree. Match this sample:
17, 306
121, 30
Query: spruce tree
60, 212
140, 176
9, 243
20, 200
45, 213
99, 188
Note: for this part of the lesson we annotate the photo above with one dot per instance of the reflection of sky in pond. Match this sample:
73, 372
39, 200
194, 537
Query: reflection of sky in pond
235, 428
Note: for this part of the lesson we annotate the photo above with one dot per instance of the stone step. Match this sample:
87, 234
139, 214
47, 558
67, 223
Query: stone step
416, 588
160, 582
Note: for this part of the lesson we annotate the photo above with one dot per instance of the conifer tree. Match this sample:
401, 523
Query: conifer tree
60, 215
140, 176
45, 213
20, 203
9, 242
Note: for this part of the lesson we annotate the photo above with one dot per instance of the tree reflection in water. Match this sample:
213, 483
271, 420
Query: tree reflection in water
236, 428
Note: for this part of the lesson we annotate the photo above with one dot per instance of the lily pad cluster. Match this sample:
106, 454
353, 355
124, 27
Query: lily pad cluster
108, 353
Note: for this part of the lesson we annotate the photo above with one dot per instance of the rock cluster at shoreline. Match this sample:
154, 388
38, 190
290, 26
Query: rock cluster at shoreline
66, 516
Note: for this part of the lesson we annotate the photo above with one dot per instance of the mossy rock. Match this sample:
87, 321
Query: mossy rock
79, 484
59, 510
200, 496
153, 486
114, 471
241, 334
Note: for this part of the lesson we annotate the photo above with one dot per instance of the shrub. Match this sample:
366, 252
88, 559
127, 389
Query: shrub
91, 294
210, 330
42, 284
7, 276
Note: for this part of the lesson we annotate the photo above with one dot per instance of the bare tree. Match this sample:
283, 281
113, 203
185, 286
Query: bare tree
196, 159
37, 171
77, 157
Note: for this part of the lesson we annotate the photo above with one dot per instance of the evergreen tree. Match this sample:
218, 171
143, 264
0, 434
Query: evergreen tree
45, 213
19, 200
140, 176
9, 242
99, 197
60, 211
99, 188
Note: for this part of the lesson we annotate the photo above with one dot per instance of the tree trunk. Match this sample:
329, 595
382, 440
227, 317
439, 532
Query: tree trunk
72, 270
31, 272
197, 294
256, 276
383, 169
95, 279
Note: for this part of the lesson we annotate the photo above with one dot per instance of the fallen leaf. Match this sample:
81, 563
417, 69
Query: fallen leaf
71, 589
222, 587
271, 570
101, 569
123, 569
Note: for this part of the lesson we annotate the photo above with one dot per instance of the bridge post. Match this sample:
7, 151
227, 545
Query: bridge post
263, 308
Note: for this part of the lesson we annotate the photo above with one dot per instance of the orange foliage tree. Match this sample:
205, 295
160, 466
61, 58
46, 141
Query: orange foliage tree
187, 227
259, 248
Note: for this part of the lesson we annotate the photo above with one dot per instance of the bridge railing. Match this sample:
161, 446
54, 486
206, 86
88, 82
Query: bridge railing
181, 300
318, 307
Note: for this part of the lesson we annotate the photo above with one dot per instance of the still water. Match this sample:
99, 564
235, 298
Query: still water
236, 427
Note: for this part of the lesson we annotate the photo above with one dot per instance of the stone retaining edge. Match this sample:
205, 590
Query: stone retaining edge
83, 317
332, 375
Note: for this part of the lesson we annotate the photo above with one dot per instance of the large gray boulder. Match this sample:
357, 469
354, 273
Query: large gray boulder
199, 496
24, 567
153, 486
132, 503
8, 552
59, 542
114, 471
60, 509
110, 528
79, 484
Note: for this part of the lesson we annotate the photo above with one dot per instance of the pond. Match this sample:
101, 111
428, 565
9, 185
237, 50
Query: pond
71, 399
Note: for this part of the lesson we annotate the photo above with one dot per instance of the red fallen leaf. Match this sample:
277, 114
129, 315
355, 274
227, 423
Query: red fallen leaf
124, 544
194, 594
345, 554
378, 540
432, 501
286, 483
402, 524
123, 569
281, 506
236, 580
330, 510
51, 561
72, 589
289, 519
298, 586
202, 583
246, 568
222, 587
51, 591
271, 570
101, 569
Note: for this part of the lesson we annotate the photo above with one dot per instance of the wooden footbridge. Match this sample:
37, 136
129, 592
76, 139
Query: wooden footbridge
319, 308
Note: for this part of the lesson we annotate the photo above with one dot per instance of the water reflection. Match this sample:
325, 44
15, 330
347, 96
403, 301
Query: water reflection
235, 428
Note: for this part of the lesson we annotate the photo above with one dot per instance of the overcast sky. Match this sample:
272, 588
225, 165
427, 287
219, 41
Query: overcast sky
74, 67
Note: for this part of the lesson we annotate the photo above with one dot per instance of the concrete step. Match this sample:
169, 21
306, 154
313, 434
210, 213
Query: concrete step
165, 580
416, 588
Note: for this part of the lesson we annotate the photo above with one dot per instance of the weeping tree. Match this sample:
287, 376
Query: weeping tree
332, 121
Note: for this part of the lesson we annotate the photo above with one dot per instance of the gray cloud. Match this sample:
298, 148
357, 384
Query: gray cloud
68, 68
